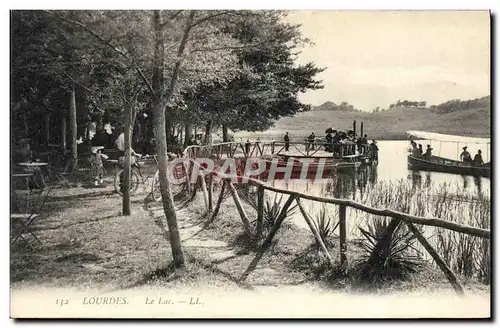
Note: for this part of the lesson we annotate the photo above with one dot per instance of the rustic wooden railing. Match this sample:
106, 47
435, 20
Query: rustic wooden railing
396, 218
261, 148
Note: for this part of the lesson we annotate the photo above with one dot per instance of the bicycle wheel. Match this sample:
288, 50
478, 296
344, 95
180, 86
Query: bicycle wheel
155, 188
134, 182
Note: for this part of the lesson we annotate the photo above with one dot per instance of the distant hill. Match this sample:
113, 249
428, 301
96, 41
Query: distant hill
331, 106
390, 124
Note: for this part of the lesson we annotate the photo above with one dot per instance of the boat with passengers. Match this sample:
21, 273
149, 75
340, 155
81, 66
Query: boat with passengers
448, 165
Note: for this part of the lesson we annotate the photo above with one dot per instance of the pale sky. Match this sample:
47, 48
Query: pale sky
374, 58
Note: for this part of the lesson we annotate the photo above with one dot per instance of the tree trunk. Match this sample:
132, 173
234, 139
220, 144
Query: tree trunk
166, 193
168, 124
127, 162
63, 133
47, 129
188, 133
73, 126
225, 134
25, 126
208, 133
160, 126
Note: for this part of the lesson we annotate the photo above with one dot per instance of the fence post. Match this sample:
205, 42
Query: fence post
267, 242
343, 235
260, 210
314, 231
442, 265
210, 189
239, 206
204, 190
219, 201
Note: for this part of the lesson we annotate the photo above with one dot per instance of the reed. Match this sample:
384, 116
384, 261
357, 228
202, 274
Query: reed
466, 255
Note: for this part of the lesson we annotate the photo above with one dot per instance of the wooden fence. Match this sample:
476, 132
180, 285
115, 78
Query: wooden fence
293, 196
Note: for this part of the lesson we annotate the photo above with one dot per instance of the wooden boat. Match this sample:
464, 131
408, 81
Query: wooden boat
447, 165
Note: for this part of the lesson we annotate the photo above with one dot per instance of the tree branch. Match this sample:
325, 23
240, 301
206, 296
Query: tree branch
247, 46
173, 16
81, 86
208, 17
108, 43
182, 47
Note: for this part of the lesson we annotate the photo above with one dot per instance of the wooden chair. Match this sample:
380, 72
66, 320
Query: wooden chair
21, 223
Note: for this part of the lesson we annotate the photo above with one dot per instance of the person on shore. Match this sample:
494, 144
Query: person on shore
478, 159
120, 146
96, 161
465, 156
287, 141
428, 152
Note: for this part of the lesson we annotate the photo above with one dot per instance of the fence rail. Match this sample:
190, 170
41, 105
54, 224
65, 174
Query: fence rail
261, 148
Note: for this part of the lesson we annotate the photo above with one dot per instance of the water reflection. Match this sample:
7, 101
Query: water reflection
391, 169
356, 182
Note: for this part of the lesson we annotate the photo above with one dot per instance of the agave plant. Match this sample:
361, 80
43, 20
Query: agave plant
398, 257
272, 209
325, 226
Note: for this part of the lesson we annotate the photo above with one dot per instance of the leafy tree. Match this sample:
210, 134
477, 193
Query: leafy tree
269, 82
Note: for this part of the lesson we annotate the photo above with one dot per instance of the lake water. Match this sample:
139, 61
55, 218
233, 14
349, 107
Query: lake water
392, 168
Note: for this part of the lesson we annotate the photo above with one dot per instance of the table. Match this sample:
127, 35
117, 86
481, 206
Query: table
37, 172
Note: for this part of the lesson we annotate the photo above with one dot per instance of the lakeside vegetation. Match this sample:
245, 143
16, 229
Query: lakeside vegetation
405, 259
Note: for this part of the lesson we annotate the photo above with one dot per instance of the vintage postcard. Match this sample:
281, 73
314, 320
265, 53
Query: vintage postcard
250, 164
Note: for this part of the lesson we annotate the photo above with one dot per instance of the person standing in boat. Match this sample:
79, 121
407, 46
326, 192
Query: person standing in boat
374, 151
287, 141
311, 141
420, 151
428, 152
478, 159
247, 147
329, 140
465, 156
414, 146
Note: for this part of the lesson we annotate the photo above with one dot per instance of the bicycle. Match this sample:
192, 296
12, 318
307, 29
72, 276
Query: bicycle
137, 178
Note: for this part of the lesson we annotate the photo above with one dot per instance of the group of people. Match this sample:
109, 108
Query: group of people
418, 151
340, 143
465, 156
